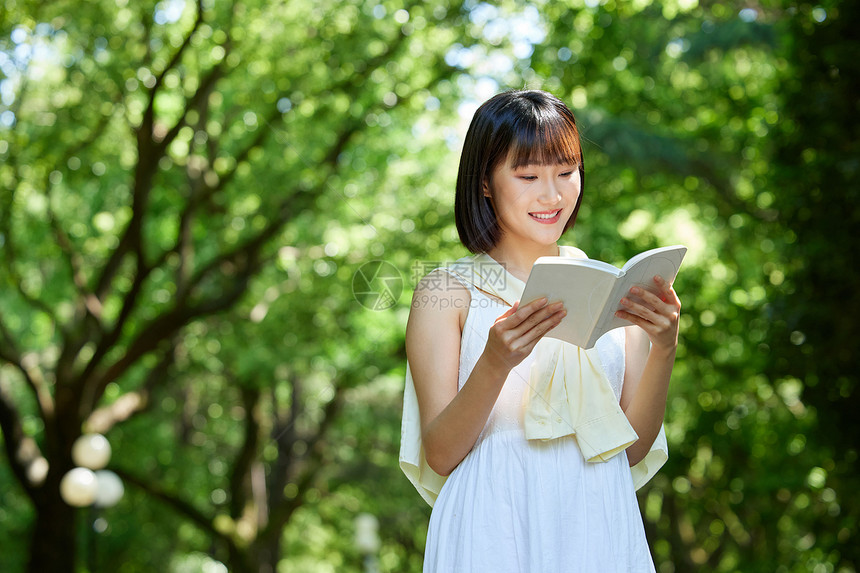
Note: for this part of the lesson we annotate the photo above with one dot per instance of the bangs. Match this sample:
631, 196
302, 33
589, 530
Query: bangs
548, 139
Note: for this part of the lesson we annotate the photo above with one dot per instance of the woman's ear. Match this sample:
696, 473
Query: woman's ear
486, 188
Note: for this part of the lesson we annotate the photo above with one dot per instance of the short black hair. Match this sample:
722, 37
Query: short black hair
532, 127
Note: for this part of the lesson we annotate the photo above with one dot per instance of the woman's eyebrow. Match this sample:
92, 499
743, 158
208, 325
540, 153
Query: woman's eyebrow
571, 164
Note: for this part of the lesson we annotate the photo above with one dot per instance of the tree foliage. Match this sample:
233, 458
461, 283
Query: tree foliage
178, 183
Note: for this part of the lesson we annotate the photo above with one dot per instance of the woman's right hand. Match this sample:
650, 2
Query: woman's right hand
515, 333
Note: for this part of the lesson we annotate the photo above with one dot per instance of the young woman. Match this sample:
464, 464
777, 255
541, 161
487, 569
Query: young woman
522, 475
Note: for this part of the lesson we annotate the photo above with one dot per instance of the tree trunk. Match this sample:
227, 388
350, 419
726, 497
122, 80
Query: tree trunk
53, 547
270, 554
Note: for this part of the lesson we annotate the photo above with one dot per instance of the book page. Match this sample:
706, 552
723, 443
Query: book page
640, 271
664, 262
581, 285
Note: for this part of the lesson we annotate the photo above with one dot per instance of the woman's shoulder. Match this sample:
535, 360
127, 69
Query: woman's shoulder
441, 293
442, 279
448, 280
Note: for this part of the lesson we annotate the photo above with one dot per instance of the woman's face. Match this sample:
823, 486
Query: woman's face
534, 202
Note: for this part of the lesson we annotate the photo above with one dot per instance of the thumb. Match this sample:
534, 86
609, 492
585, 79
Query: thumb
509, 312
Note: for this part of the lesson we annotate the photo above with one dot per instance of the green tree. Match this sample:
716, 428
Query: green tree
730, 128
178, 181
813, 330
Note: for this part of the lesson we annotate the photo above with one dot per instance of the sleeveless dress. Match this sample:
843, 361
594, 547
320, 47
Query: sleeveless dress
531, 506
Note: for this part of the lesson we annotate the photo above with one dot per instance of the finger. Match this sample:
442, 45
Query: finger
535, 318
645, 312
652, 328
531, 307
667, 293
661, 302
659, 336
630, 317
533, 335
671, 297
653, 332
523, 313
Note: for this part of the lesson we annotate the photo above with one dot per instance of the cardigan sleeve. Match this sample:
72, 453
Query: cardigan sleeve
653, 460
412, 459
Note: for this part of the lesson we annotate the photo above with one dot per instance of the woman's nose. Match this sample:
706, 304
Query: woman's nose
549, 192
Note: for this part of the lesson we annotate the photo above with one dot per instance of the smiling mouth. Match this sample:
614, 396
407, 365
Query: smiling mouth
546, 216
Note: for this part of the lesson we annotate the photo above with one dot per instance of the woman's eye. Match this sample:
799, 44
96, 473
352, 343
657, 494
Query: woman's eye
528, 178
566, 174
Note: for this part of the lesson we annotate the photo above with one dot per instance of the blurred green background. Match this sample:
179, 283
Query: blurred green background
188, 189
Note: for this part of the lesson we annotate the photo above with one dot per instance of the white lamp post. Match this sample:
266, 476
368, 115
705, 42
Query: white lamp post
367, 540
90, 485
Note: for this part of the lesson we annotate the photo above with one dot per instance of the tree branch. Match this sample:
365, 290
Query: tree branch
150, 152
130, 403
650, 152
154, 334
18, 281
242, 262
281, 513
178, 54
21, 451
109, 339
203, 90
92, 304
201, 190
245, 258
31, 373
88, 305
176, 503
247, 453
678, 547
284, 435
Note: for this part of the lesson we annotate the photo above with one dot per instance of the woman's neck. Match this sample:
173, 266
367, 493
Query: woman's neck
518, 259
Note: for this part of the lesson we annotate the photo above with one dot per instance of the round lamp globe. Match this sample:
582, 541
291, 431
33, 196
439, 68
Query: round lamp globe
91, 451
110, 489
78, 487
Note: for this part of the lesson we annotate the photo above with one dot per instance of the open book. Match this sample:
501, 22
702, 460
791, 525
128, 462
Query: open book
592, 290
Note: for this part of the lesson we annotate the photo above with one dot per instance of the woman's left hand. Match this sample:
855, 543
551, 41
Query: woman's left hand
657, 314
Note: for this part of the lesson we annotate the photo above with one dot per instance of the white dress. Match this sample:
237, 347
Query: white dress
520, 506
